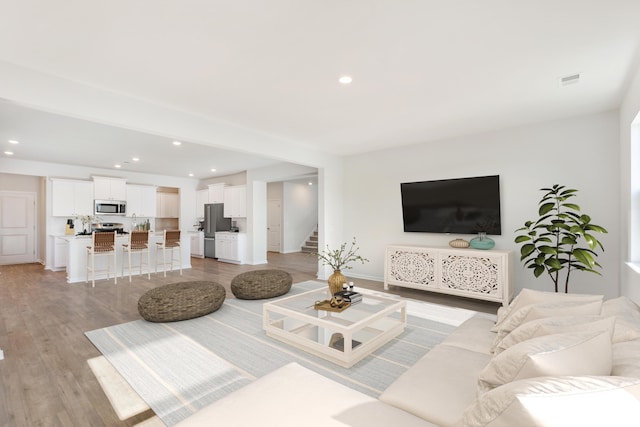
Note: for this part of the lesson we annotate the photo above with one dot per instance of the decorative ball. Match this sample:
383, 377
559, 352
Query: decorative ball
459, 243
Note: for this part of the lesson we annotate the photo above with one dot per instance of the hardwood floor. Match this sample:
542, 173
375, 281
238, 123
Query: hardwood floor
45, 379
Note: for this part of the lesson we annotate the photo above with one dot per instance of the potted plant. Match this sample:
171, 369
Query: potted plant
339, 259
555, 242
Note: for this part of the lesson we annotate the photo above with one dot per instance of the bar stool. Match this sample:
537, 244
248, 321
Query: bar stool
102, 243
138, 243
170, 242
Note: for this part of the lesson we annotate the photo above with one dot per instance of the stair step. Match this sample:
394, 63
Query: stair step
309, 249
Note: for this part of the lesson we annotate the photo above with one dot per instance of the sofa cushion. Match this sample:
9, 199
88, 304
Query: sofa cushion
531, 296
626, 359
578, 353
293, 396
473, 334
558, 402
543, 310
627, 314
554, 325
439, 386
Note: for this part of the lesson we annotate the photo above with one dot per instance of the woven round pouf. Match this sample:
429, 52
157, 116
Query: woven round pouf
261, 284
181, 301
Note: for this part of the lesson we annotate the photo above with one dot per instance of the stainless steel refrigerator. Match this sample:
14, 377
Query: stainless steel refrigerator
214, 220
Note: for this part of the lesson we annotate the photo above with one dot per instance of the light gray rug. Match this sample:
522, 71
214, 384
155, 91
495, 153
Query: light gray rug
180, 367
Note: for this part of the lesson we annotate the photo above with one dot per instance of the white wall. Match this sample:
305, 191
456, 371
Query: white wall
630, 195
300, 213
581, 153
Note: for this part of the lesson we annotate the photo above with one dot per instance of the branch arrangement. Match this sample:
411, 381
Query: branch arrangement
339, 259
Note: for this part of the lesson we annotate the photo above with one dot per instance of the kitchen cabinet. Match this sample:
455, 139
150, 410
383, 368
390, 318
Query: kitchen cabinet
109, 188
197, 244
202, 198
235, 201
71, 198
167, 205
141, 201
60, 251
216, 193
231, 247
480, 274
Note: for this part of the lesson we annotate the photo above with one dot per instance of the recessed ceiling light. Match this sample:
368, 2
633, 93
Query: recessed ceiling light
136, 159
13, 141
9, 153
177, 143
310, 183
345, 80
116, 166
190, 174
213, 170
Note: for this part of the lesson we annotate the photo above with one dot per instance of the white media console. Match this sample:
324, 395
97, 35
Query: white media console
472, 273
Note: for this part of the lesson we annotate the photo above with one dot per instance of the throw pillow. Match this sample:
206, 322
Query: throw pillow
627, 314
542, 310
554, 325
558, 402
532, 296
577, 353
626, 359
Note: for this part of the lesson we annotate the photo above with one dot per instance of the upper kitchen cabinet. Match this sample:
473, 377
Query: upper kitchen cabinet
168, 205
235, 201
216, 193
141, 201
71, 198
109, 188
202, 198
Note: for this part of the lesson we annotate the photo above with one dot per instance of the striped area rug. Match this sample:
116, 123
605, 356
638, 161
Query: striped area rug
180, 367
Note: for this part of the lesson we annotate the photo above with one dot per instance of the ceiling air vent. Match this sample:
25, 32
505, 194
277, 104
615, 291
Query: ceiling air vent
570, 80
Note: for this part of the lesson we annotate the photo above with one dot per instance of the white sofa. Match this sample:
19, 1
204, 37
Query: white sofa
567, 360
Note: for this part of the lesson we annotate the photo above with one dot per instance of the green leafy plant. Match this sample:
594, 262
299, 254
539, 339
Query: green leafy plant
339, 259
552, 243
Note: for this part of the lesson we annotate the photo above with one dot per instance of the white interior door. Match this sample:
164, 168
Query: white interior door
274, 225
17, 227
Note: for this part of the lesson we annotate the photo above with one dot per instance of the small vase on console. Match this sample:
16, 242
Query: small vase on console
481, 241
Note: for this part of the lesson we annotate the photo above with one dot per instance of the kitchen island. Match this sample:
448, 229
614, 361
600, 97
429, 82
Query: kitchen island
77, 257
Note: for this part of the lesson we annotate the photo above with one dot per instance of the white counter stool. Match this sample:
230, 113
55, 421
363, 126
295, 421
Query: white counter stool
102, 243
138, 244
170, 242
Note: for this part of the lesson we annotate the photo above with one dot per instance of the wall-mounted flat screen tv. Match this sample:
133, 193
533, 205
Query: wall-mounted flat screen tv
461, 206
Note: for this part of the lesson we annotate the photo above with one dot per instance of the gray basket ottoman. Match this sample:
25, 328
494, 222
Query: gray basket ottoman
260, 284
181, 301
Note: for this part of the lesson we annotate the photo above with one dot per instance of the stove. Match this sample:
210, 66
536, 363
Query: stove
110, 226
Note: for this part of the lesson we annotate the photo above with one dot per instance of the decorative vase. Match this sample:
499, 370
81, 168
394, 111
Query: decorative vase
459, 243
481, 241
335, 281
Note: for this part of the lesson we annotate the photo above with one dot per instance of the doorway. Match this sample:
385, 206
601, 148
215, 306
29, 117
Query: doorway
17, 227
274, 225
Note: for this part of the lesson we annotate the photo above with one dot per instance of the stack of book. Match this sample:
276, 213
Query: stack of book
350, 296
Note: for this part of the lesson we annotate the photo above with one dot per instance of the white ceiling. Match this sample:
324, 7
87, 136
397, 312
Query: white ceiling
422, 70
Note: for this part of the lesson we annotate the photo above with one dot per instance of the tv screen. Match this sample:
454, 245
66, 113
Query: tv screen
463, 205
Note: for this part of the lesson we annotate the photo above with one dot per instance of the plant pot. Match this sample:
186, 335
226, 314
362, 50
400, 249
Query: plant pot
335, 281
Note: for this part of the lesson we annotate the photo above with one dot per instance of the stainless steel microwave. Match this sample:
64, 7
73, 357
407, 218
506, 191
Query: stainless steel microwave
110, 207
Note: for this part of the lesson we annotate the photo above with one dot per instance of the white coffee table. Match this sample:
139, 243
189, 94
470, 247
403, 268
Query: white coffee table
343, 338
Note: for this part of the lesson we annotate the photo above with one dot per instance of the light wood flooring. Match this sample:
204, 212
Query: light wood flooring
45, 379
